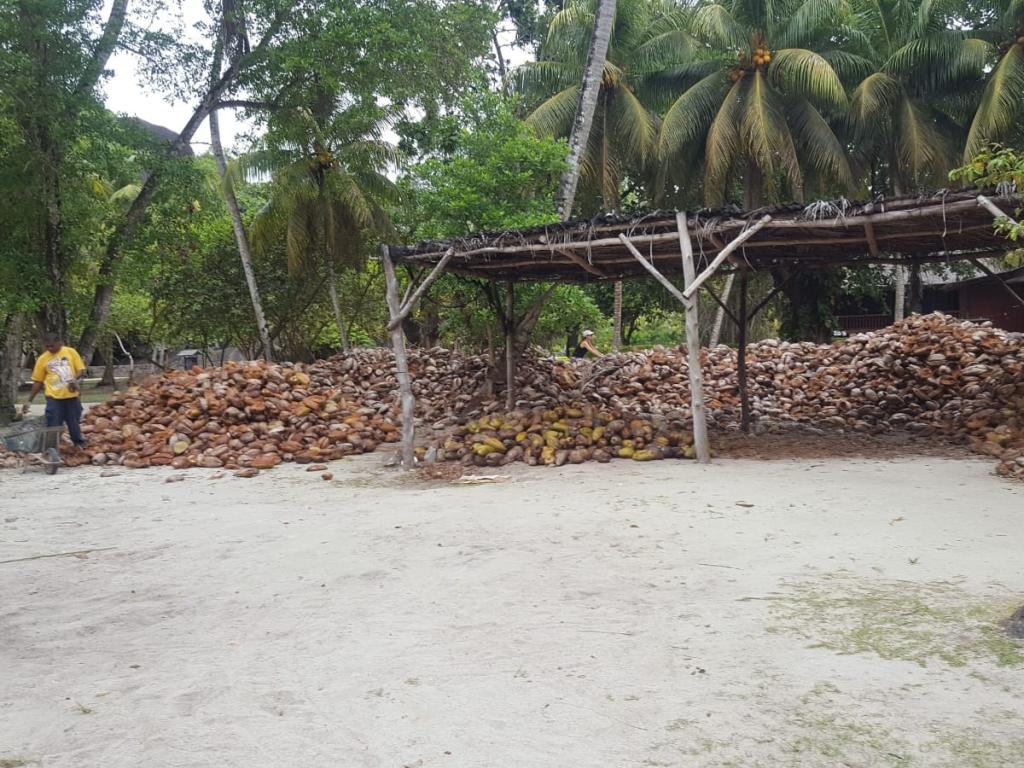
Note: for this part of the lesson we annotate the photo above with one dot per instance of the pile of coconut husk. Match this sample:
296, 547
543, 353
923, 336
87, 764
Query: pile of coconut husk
254, 415
930, 375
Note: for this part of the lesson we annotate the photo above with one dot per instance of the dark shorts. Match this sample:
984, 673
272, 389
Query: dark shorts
67, 411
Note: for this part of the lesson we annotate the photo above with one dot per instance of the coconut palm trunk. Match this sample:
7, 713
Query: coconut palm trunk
716, 329
332, 289
241, 238
589, 91
617, 318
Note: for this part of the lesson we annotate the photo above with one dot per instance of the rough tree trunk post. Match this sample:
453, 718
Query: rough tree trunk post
899, 303
741, 361
716, 329
916, 288
401, 361
510, 346
617, 318
10, 366
590, 89
700, 423
241, 238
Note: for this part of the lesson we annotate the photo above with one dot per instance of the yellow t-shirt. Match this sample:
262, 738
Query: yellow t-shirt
56, 371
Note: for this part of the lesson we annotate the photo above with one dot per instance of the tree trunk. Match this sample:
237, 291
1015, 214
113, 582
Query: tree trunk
753, 187
332, 289
241, 238
107, 380
716, 329
10, 366
916, 288
899, 300
103, 296
617, 318
604, 22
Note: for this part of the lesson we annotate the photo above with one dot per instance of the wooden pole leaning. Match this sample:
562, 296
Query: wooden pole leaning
408, 400
697, 407
700, 434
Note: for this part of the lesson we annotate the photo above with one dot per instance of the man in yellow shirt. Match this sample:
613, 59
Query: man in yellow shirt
59, 370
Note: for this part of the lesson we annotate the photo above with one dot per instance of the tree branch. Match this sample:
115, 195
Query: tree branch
104, 48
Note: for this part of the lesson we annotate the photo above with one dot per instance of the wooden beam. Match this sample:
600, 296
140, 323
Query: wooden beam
653, 271
1009, 288
697, 407
719, 302
408, 450
869, 234
579, 261
406, 308
724, 254
994, 209
772, 294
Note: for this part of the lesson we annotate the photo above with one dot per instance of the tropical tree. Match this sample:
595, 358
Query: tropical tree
910, 111
1001, 109
328, 191
646, 39
756, 108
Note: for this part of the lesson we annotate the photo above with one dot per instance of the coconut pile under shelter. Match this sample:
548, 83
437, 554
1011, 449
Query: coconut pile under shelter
935, 228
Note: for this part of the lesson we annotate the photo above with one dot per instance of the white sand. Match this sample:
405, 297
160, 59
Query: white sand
587, 617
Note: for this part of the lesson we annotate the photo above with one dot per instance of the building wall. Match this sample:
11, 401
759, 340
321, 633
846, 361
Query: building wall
992, 302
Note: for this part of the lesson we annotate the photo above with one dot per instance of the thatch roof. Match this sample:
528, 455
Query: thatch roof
930, 228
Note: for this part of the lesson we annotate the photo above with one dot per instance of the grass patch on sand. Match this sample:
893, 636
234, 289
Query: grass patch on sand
912, 621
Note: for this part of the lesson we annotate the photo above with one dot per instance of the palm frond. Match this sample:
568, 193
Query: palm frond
807, 21
715, 25
546, 77
569, 32
873, 101
659, 90
1000, 104
939, 59
691, 115
766, 133
799, 72
818, 144
918, 145
633, 126
555, 116
668, 49
850, 67
722, 147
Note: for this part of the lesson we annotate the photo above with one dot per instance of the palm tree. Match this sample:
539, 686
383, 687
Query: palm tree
241, 237
646, 39
754, 107
910, 110
1001, 108
326, 194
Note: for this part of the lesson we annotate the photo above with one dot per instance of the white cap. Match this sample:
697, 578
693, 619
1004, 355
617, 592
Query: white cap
587, 333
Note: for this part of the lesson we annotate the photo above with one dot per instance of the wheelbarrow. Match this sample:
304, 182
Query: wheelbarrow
32, 436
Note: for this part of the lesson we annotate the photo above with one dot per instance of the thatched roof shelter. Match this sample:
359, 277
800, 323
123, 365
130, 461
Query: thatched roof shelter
944, 226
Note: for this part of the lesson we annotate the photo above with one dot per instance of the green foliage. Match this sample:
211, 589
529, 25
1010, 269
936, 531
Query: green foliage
494, 173
997, 168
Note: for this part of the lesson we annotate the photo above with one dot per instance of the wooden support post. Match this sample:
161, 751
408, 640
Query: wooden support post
692, 347
700, 420
510, 344
741, 360
401, 361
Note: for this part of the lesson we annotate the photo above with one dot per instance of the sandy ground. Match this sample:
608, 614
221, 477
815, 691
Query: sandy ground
754, 614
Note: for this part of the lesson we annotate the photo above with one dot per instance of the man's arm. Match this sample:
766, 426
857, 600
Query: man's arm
36, 388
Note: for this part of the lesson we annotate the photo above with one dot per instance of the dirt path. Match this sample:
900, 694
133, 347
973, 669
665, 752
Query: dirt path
754, 614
